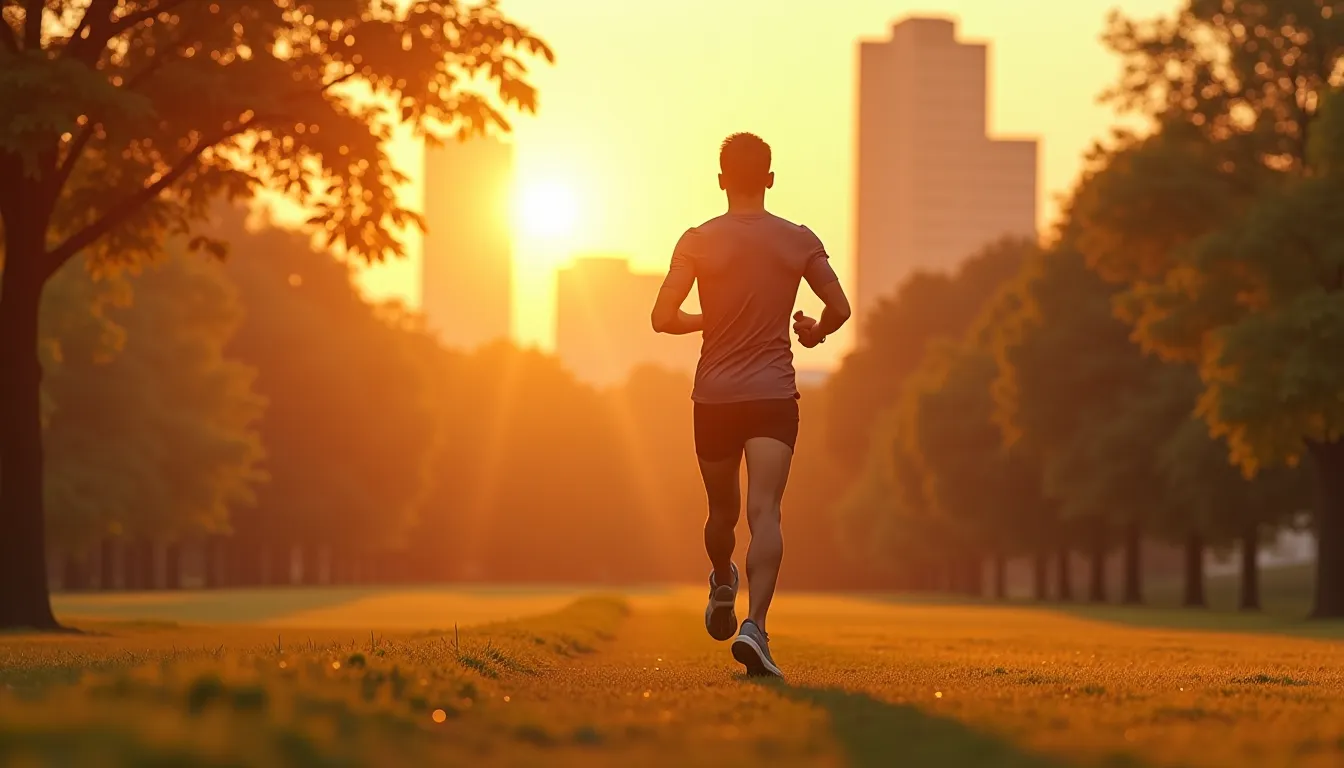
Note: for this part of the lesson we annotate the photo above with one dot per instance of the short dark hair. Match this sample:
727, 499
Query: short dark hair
744, 160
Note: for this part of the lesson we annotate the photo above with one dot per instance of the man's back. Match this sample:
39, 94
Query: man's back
748, 267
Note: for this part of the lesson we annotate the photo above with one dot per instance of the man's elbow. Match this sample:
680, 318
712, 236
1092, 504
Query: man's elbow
842, 310
659, 322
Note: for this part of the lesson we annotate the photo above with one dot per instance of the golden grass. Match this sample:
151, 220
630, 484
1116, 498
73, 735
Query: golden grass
637, 682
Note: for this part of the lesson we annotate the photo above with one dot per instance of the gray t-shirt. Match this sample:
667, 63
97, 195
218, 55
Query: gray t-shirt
748, 267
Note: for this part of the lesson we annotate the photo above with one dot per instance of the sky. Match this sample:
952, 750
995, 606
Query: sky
641, 94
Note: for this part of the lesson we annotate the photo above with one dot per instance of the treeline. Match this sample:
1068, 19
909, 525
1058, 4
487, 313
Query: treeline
1164, 368
257, 422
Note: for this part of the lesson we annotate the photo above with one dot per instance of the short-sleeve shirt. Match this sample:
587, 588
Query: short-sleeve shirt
748, 267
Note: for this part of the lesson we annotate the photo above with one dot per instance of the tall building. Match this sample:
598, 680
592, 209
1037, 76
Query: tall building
466, 274
933, 188
602, 329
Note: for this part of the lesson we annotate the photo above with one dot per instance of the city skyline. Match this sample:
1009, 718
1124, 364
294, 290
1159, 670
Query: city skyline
932, 186
637, 186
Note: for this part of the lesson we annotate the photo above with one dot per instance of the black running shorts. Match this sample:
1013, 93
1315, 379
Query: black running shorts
723, 429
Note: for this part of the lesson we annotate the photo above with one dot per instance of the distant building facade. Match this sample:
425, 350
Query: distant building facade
602, 327
467, 272
932, 187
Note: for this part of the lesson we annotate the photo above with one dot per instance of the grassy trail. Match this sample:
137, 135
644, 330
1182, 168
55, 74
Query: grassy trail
637, 681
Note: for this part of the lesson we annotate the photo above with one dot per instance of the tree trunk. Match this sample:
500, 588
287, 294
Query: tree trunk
211, 555
1250, 568
107, 565
1133, 594
1000, 577
172, 566
1064, 575
25, 598
251, 566
1194, 571
1329, 530
281, 566
75, 577
142, 565
310, 565
1042, 577
132, 577
1096, 587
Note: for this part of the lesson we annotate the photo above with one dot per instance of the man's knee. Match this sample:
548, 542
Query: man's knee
762, 512
724, 514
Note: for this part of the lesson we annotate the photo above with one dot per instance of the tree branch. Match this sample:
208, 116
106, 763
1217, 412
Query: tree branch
102, 30
57, 181
7, 36
124, 209
34, 11
98, 13
328, 86
132, 20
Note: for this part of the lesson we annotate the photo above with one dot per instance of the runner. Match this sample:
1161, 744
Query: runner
748, 264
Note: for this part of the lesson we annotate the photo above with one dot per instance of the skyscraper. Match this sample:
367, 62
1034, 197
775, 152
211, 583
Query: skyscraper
933, 188
602, 328
466, 274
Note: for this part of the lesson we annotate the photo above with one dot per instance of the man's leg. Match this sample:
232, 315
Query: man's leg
768, 462
724, 495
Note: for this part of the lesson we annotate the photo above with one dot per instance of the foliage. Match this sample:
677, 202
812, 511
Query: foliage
141, 113
988, 493
350, 426
152, 426
927, 306
1224, 243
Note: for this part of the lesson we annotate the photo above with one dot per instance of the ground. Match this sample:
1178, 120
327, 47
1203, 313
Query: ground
565, 676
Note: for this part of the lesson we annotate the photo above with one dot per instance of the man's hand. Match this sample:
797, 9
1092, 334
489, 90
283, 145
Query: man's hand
807, 330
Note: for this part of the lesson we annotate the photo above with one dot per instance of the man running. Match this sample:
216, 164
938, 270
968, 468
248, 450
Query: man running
749, 264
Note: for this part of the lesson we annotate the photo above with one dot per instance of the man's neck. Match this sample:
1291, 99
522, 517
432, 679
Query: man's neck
746, 206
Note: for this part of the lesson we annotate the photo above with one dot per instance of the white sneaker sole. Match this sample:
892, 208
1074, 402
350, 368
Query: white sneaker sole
746, 651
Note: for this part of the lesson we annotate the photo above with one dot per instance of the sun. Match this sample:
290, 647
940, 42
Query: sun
546, 209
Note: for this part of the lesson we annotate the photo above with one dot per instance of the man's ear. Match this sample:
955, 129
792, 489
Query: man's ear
721, 184
770, 180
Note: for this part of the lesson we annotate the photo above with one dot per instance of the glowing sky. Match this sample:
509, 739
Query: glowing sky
642, 93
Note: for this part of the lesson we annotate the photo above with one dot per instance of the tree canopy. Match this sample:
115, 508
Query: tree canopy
1221, 228
152, 426
126, 120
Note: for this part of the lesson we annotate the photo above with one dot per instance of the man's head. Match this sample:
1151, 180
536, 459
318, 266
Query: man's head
744, 165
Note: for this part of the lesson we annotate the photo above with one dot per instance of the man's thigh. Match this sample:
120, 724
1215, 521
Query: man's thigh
768, 463
718, 446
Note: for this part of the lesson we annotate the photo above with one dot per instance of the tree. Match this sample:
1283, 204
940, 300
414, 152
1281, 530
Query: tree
927, 306
123, 120
1222, 228
987, 492
1225, 506
1068, 380
350, 425
150, 377
863, 396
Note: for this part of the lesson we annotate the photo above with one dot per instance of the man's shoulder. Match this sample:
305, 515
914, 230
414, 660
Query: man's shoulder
793, 227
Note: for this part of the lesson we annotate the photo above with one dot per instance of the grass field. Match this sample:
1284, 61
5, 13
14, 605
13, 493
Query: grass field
567, 677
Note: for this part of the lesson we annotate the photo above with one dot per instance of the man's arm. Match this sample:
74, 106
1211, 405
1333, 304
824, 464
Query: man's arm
835, 314
826, 286
667, 315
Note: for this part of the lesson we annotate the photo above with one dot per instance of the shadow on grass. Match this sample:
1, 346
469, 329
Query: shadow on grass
875, 733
